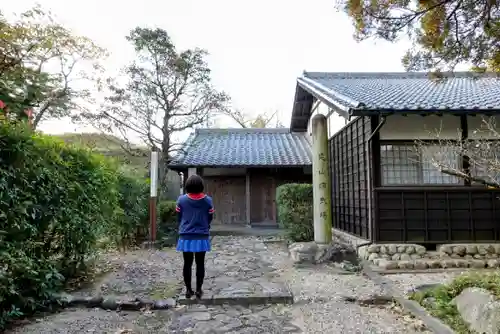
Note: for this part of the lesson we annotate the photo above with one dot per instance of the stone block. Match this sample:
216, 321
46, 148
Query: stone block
480, 310
388, 265
420, 264
311, 252
493, 263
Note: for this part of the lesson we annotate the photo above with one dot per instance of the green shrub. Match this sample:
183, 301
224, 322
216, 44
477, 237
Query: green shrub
132, 223
439, 301
295, 211
54, 201
167, 220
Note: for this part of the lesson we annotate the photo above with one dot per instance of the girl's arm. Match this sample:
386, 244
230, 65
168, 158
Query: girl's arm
179, 213
210, 214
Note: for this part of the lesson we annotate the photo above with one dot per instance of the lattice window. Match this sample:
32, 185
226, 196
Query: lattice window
403, 165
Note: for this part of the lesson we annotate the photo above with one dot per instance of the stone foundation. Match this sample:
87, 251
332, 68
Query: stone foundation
411, 256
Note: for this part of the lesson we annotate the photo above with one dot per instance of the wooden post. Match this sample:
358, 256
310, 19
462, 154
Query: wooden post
321, 181
152, 199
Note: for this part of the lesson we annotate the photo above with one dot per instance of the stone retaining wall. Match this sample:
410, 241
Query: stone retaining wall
411, 256
470, 251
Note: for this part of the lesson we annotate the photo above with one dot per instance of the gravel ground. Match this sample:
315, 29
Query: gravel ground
319, 293
320, 308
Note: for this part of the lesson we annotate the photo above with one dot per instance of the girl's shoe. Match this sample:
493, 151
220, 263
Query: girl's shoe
199, 294
189, 294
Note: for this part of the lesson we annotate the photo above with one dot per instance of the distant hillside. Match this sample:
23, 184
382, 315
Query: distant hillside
110, 146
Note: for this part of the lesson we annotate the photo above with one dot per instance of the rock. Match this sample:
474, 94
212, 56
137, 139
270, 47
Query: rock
387, 265
434, 263
396, 257
482, 249
493, 263
383, 249
109, 303
311, 252
405, 264
478, 256
468, 257
480, 310
471, 249
447, 249
401, 249
448, 263
477, 264
415, 256
303, 251
410, 250
164, 304
420, 250
405, 257
373, 248
497, 248
392, 249
373, 256
459, 250
461, 263
420, 264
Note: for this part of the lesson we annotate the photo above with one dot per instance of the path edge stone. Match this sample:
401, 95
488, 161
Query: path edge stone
432, 323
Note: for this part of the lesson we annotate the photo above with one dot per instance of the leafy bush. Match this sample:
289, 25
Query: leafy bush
54, 200
440, 299
295, 211
132, 223
167, 220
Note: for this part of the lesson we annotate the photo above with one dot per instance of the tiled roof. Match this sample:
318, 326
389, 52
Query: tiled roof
406, 91
245, 147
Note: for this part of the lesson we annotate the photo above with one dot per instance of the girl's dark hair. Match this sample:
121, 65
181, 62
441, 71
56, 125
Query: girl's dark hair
194, 184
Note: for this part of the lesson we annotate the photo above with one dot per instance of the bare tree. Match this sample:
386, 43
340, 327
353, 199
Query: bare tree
166, 93
262, 120
481, 154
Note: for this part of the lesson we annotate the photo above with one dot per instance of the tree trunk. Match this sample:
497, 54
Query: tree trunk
162, 176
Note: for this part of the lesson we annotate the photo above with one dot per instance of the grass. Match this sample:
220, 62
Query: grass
439, 301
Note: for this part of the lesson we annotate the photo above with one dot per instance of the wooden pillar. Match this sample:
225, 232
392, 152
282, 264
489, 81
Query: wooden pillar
322, 194
247, 196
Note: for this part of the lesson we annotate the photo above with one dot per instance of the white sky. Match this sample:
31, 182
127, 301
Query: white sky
257, 48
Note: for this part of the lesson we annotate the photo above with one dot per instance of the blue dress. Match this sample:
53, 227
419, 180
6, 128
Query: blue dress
188, 245
195, 212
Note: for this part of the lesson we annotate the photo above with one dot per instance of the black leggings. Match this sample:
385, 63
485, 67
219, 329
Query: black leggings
199, 258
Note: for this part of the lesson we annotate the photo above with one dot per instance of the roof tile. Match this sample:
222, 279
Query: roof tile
245, 147
411, 91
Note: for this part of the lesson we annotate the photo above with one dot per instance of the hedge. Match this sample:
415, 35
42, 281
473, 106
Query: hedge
295, 211
56, 200
167, 222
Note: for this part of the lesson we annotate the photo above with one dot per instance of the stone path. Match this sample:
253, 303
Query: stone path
238, 267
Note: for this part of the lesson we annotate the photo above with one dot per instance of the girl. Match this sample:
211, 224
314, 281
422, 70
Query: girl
194, 213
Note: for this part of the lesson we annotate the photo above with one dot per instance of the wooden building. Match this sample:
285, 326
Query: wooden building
383, 189
243, 167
